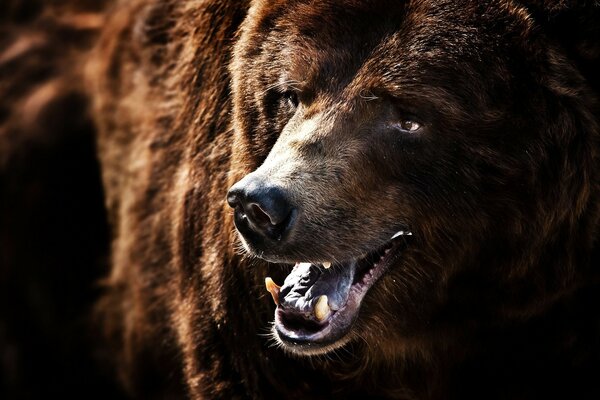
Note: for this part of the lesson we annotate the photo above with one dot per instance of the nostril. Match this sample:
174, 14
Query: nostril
260, 216
274, 204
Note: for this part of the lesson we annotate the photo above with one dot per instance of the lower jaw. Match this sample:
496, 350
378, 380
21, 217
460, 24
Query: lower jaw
306, 346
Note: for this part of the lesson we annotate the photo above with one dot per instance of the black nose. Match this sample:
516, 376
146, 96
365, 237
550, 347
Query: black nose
260, 207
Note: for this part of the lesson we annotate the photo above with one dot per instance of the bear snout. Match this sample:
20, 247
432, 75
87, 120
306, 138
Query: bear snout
263, 210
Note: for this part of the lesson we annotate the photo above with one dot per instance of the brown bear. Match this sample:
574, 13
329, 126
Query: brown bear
417, 180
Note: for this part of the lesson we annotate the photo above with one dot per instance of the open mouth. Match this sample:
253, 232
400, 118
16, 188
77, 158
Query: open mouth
318, 303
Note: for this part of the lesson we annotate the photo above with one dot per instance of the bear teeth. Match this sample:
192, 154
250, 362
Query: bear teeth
401, 233
273, 288
326, 265
322, 309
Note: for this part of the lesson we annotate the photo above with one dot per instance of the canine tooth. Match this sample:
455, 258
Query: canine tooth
322, 308
273, 288
327, 265
399, 233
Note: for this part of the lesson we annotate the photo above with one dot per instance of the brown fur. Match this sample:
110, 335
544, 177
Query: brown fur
494, 297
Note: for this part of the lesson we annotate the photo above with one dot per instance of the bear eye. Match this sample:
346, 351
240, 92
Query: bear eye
408, 125
291, 98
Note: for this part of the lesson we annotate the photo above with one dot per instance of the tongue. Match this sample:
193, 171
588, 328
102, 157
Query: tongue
308, 282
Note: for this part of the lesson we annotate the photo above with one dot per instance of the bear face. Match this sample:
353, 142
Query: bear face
427, 151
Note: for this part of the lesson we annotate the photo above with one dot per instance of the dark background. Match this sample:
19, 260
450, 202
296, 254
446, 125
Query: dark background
53, 228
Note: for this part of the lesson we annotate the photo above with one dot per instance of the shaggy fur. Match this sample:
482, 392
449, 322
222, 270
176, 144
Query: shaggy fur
495, 297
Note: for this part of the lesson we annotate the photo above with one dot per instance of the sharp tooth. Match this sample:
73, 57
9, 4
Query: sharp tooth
399, 233
326, 265
322, 308
273, 288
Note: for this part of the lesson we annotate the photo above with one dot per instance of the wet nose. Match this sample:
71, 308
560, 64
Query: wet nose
260, 207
